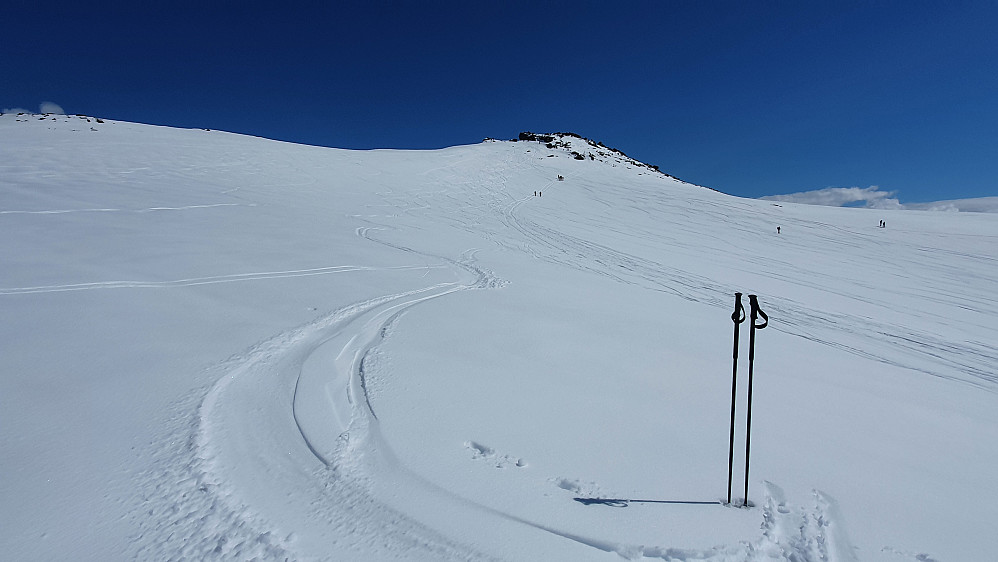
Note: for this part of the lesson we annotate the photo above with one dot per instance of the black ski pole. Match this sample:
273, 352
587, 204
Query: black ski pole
738, 316
754, 313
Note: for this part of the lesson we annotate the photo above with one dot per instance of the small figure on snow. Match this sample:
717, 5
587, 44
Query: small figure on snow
777, 230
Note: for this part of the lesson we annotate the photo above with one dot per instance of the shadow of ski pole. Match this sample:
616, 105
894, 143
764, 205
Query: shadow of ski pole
618, 502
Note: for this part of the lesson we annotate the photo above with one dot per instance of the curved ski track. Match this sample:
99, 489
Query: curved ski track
329, 445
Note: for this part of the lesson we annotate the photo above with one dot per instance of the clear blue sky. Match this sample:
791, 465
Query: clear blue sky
751, 98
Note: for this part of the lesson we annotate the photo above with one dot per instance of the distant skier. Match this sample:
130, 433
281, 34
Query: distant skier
777, 230
535, 194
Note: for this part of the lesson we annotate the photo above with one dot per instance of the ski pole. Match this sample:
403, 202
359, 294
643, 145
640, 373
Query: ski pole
754, 313
738, 316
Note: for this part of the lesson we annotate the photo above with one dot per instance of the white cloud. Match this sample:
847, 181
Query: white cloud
14, 110
975, 205
50, 107
870, 197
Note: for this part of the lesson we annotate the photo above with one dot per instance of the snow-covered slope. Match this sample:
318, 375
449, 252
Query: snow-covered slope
222, 347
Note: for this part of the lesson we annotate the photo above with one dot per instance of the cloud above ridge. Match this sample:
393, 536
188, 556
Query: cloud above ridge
51, 107
44, 107
870, 197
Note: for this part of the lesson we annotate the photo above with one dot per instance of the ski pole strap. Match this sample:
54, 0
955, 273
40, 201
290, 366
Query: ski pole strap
738, 316
756, 312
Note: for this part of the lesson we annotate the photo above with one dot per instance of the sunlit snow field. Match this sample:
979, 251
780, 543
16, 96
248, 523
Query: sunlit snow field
215, 346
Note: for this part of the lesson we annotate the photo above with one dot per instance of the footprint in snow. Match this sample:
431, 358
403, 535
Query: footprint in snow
488, 454
577, 487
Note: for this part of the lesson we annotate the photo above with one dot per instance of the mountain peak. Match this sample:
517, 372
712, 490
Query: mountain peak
582, 148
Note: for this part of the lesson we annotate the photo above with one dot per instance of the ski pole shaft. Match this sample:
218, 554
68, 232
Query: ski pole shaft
748, 419
737, 317
754, 314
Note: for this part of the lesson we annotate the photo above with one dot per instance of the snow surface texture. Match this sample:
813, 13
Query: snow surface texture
223, 347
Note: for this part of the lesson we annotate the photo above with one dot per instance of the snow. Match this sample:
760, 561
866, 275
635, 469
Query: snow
224, 347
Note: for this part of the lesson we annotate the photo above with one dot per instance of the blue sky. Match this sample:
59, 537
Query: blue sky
751, 98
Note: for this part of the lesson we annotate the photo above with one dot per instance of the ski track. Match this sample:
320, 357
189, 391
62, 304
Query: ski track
320, 464
916, 350
111, 210
795, 534
206, 280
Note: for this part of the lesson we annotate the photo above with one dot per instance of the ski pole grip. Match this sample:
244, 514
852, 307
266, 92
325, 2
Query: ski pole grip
756, 312
738, 316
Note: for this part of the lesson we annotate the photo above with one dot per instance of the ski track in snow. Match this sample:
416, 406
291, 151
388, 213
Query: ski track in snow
789, 533
206, 280
799, 534
919, 350
110, 210
329, 446
916, 350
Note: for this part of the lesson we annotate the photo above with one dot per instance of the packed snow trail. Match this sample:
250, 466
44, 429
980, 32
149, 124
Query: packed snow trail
313, 380
299, 475
257, 488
